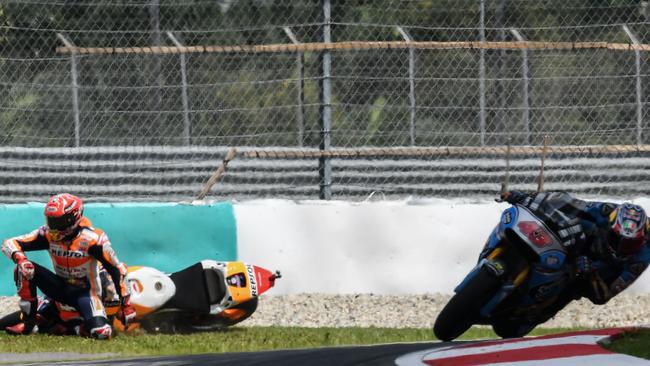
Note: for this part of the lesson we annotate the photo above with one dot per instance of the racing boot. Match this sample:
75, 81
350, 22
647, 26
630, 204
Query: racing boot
96, 327
29, 319
103, 332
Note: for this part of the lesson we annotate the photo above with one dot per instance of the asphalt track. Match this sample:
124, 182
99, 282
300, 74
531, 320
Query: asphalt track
380, 355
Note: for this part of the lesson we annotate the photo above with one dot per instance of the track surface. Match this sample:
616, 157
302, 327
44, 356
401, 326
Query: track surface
382, 355
565, 349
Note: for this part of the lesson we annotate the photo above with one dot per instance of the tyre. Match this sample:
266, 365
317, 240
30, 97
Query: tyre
463, 308
10, 319
511, 329
165, 322
246, 309
181, 322
227, 318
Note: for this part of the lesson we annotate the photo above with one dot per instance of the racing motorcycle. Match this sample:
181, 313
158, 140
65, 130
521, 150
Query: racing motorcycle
522, 279
206, 296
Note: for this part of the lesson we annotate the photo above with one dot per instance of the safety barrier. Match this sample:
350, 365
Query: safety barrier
167, 236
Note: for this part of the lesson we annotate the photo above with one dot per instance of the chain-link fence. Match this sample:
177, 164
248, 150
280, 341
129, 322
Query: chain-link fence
139, 100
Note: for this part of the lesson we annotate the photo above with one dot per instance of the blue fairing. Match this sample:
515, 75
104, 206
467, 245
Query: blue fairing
469, 276
547, 276
508, 219
553, 260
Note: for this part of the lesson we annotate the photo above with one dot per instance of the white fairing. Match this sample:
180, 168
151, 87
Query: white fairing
209, 263
149, 287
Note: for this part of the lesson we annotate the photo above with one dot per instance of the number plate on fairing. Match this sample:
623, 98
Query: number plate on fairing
534, 233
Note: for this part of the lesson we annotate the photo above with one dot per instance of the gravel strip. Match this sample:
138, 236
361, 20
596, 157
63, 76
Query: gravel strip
420, 311
416, 311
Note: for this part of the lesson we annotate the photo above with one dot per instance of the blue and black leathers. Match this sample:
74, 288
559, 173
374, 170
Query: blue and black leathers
583, 227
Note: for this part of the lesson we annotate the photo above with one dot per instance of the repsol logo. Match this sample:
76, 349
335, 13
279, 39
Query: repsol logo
67, 253
252, 280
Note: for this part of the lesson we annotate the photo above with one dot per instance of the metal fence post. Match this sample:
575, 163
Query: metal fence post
407, 38
187, 125
500, 118
481, 74
639, 90
325, 93
156, 62
300, 112
525, 76
75, 89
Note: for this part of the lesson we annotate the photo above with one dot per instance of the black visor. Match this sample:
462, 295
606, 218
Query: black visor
61, 223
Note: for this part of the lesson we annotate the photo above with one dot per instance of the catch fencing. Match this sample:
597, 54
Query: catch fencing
140, 100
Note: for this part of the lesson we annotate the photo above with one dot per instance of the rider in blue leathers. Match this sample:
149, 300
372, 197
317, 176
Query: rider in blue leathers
608, 241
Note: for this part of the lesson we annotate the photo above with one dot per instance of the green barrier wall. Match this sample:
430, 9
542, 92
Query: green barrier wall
166, 236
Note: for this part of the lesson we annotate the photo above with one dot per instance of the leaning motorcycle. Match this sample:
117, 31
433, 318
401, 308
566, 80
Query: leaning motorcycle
208, 295
522, 279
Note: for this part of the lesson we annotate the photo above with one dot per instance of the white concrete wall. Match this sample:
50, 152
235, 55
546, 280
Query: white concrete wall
393, 247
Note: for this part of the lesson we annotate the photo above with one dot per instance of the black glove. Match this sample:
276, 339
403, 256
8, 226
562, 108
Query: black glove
601, 248
512, 197
584, 266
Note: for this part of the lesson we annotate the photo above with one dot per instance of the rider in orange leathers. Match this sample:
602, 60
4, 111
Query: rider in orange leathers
77, 250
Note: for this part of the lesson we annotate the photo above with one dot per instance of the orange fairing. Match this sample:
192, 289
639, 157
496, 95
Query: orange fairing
233, 314
117, 325
112, 310
239, 290
247, 281
67, 313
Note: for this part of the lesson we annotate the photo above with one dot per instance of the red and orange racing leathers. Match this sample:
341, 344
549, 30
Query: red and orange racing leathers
76, 261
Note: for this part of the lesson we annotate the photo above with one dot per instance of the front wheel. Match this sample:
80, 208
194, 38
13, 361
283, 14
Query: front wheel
463, 308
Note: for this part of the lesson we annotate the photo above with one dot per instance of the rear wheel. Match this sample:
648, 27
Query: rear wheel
226, 318
463, 308
511, 328
171, 321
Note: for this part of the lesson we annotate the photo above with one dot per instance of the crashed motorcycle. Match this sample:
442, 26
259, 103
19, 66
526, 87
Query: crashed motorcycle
523, 278
208, 295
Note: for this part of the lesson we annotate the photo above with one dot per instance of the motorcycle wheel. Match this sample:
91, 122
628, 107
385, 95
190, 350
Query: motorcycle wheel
180, 322
166, 322
247, 308
511, 329
10, 319
208, 322
463, 308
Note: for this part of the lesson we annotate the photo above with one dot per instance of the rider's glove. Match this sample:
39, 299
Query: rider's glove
25, 267
600, 248
127, 312
511, 197
584, 266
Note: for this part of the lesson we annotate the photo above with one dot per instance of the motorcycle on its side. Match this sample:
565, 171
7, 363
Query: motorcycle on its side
522, 279
208, 295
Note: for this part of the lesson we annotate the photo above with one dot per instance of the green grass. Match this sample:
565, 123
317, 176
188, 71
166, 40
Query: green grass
237, 339
635, 344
